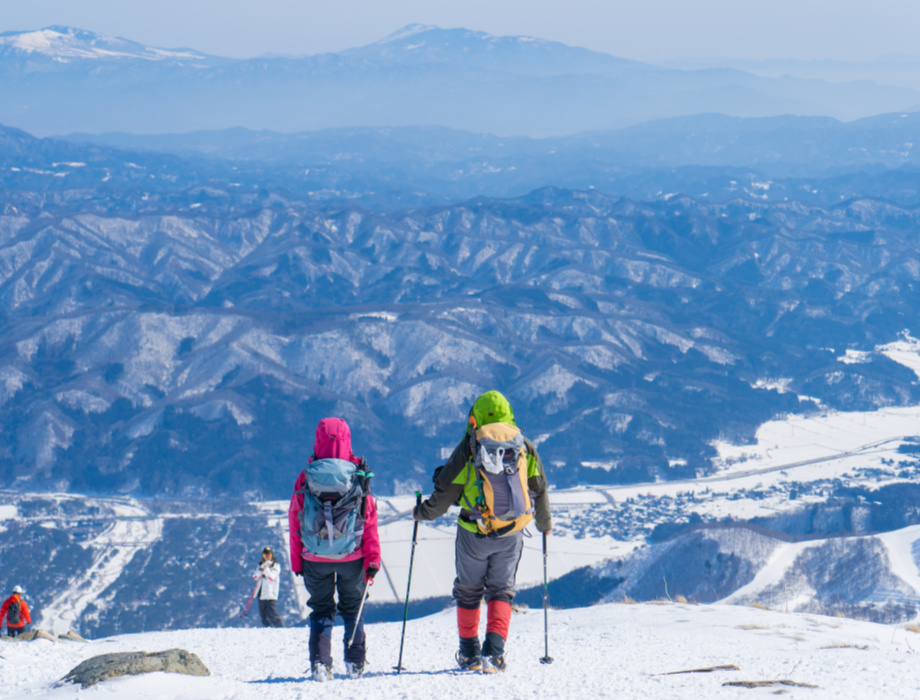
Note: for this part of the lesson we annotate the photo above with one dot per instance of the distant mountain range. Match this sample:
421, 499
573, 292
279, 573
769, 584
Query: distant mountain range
710, 156
176, 326
61, 80
893, 69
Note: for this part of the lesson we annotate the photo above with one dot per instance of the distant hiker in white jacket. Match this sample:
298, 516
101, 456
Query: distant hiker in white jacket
270, 573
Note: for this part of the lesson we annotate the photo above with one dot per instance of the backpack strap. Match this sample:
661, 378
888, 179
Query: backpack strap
480, 499
303, 491
363, 477
330, 524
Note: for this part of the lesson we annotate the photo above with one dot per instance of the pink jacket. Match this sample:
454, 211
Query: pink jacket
333, 439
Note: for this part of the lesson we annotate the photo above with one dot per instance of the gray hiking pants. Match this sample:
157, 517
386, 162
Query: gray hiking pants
486, 567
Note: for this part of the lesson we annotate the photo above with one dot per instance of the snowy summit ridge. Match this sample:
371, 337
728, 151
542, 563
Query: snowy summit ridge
65, 44
409, 30
417, 36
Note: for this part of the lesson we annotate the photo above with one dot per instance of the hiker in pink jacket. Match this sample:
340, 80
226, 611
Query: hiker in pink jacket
334, 544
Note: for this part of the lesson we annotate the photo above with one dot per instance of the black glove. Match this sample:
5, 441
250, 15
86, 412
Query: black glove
370, 572
299, 573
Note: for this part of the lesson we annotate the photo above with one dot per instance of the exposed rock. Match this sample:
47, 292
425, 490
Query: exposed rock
768, 684
105, 666
708, 669
71, 636
35, 634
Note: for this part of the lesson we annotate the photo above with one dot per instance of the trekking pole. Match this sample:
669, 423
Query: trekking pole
547, 659
245, 611
418, 502
367, 585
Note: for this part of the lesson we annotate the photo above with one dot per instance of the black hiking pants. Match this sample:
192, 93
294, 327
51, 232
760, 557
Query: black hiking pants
268, 609
323, 580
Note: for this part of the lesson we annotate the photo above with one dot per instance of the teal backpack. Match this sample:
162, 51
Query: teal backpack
332, 519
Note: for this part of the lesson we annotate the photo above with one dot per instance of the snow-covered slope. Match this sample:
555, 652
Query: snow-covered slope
655, 651
66, 44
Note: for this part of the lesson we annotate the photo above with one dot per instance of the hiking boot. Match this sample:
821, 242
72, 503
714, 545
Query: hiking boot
493, 653
469, 663
322, 672
491, 664
354, 669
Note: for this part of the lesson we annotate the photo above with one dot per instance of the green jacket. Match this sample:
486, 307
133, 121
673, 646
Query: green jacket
455, 481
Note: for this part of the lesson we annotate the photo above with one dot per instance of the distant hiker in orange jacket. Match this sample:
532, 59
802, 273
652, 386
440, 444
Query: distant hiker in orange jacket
16, 612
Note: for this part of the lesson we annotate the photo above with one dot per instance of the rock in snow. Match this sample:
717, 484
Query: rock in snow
105, 666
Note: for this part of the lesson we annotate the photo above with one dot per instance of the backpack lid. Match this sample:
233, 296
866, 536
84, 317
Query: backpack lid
496, 444
490, 407
331, 477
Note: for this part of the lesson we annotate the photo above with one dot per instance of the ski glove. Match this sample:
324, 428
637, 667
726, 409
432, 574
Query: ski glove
370, 572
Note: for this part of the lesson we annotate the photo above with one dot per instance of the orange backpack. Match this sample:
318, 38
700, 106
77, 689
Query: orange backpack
504, 503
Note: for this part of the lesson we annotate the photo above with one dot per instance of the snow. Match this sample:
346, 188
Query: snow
404, 33
778, 385
899, 544
213, 410
827, 437
905, 351
133, 530
63, 46
604, 466
780, 562
853, 357
617, 650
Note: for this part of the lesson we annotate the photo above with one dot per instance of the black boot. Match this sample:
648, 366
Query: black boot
493, 653
354, 654
469, 656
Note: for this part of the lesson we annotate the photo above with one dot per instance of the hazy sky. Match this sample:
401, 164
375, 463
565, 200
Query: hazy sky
638, 29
